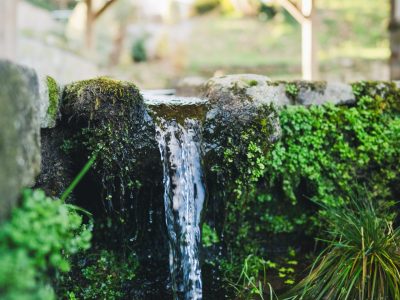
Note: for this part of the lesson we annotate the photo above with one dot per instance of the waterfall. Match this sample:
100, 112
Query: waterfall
184, 195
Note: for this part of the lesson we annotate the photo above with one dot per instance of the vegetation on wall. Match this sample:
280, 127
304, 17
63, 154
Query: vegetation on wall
325, 155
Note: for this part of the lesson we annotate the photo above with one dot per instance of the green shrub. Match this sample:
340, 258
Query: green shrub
100, 275
325, 155
361, 261
138, 52
205, 6
37, 241
209, 236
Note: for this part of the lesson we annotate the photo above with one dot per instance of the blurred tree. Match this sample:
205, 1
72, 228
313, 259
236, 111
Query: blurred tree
394, 29
247, 7
123, 13
91, 16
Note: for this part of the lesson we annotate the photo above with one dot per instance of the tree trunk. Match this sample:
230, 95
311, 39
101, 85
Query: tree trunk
394, 30
118, 45
89, 25
8, 29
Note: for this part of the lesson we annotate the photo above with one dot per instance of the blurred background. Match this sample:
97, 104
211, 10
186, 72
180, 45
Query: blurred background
157, 43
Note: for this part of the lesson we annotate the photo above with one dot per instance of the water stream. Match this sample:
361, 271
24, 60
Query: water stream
184, 195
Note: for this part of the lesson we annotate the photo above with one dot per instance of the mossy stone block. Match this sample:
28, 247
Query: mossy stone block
19, 132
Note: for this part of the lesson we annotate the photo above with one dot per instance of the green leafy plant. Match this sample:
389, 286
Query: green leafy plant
37, 241
325, 154
361, 261
291, 90
328, 152
209, 236
101, 275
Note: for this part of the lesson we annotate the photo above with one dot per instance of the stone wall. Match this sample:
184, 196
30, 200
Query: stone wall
22, 109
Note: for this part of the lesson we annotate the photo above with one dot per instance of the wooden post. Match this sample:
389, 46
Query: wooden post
394, 30
306, 16
8, 29
308, 41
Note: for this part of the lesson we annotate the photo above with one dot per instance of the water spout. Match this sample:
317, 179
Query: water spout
184, 195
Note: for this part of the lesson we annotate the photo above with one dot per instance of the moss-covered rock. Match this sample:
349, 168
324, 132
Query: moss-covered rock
19, 132
176, 108
108, 119
260, 89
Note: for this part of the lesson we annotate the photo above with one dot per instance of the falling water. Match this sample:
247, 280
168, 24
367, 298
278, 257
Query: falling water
183, 200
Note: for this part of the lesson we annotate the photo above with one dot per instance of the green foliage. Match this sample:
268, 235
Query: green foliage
291, 90
103, 275
253, 277
362, 260
250, 278
37, 241
138, 52
244, 162
325, 154
328, 152
209, 236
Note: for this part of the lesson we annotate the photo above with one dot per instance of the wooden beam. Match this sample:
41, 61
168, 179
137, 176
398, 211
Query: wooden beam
309, 51
103, 8
293, 10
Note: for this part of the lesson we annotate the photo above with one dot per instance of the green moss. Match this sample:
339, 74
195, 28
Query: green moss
252, 82
54, 95
179, 112
107, 117
237, 164
107, 91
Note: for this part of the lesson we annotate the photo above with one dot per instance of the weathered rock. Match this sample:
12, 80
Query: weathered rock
19, 132
318, 93
235, 89
231, 89
175, 107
